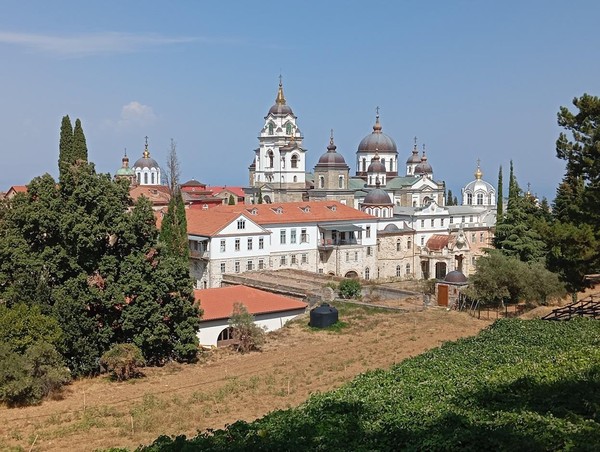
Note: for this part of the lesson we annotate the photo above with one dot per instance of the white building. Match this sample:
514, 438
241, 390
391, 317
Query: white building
146, 169
270, 311
322, 237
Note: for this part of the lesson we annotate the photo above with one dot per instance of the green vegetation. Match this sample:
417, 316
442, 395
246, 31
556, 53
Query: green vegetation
83, 255
123, 361
247, 335
519, 385
349, 288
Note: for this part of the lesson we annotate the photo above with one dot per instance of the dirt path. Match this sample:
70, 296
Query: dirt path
295, 362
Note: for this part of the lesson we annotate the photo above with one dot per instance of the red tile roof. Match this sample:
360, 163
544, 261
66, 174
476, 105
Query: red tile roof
218, 303
209, 222
437, 242
157, 194
237, 191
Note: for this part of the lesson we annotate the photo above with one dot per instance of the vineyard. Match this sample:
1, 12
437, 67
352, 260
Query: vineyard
518, 385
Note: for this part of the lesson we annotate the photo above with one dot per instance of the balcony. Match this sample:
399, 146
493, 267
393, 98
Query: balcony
326, 244
199, 254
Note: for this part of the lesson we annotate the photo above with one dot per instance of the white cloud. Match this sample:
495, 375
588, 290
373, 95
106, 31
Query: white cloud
90, 44
136, 114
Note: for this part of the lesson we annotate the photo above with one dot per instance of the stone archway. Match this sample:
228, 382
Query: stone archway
351, 274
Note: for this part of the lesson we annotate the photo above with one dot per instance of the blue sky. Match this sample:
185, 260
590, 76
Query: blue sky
471, 79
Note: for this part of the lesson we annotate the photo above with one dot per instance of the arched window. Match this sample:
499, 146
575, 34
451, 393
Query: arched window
152, 178
469, 199
408, 243
398, 270
364, 164
271, 128
270, 157
341, 182
146, 178
288, 129
367, 273
294, 160
295, 178
399, 245
139, 178
383, 162
479, 199
321, 182
408, 269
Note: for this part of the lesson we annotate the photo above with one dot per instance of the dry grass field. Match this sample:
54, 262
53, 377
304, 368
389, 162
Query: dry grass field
181, 399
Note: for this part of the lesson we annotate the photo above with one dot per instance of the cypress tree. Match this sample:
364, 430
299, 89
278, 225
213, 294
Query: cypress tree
500, 196
449, 198
231, 200
173, 229
65, 147
80, 151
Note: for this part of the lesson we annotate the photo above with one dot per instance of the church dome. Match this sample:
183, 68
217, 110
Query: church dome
414, 157
125, 170
280, 108
423, 167
145, 162
376, 166
331, 157
455, 277
379, 197
377, 141
391, 228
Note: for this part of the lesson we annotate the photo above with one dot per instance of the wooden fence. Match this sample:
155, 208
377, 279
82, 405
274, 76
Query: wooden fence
587, 307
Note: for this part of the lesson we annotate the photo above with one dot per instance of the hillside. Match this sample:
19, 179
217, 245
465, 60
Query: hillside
518, 385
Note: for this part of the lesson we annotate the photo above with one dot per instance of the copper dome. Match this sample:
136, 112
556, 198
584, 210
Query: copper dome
377, 141
378, 197
331, 157
376, 166
456, 277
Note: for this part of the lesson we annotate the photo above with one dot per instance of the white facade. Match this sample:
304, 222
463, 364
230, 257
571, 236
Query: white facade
210, 330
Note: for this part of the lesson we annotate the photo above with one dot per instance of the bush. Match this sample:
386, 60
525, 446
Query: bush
123, 361
22, 326
248, 335
349, 288
27, 379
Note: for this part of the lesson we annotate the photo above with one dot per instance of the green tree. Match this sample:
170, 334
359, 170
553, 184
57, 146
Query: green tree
260, 197
80, 151
247, 335
449, 199
231, 201
65, 147
349, 288
123, 361
500, 197
22, 326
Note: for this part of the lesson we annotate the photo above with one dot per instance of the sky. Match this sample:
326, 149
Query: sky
470, 79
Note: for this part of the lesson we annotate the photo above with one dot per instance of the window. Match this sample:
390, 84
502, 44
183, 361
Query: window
288, 129
398, 270
295, 178
225, 335
249, 265
481, 237
422, 223
293, 236
322, 257
367, 273
347, 256
241, 224
473, 238
341, 182
249, 244
304, 258
408, 269
422, 241
356, 255
270, 159
261, 264
236, 266
432, 222
222, 267
321, 182
369, 251
270, 128
294, 260
469, 198
441, 222
480, 199
303, 236
282, 260
222, 246
462, 219
398, 245
282, 234
364, 164
368, 233
237, 244
294, 161
152, 178
470, 218
261, 243
146, 178
451, 220
408, 243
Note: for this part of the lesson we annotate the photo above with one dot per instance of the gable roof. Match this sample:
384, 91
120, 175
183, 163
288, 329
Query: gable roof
237, 191
218, 303
209, 222
157, 194
298, 212
438, 242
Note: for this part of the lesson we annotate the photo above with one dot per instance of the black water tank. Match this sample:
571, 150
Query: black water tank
323, 316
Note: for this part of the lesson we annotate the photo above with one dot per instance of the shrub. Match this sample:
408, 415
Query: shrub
349, 288
22, 326
123, 361
248, 335
26, 379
